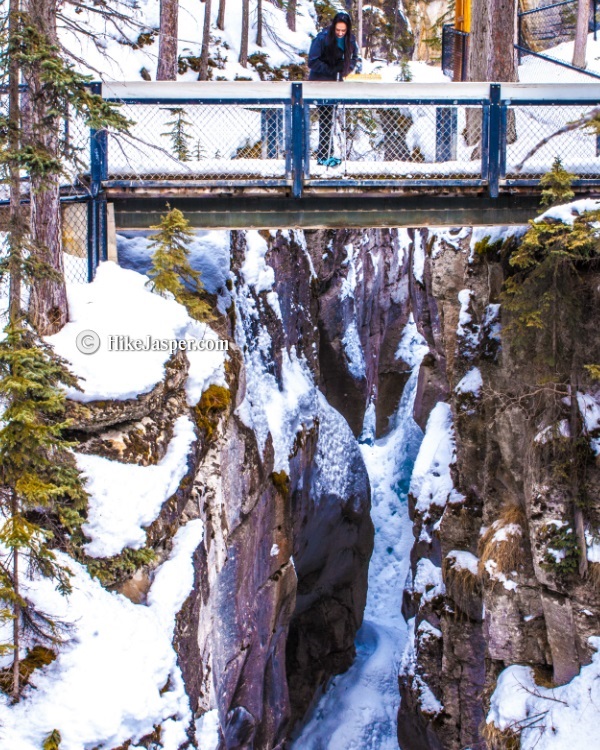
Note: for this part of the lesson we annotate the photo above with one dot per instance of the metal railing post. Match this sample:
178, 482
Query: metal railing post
495, 130
298, 139
97, 235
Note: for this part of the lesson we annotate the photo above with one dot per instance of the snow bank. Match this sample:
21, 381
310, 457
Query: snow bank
462, 560
431, 482
270, 407
117, 303
471, 383
412, 346
552, 718
118, 62
428, 581
209, 254
117, 676
354, 352
126, 498
568, 212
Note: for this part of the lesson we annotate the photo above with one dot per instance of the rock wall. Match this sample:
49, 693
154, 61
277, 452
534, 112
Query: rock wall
277, 476
484, 591
426, 18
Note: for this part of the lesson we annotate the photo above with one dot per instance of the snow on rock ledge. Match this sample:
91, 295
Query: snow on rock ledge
551, 718
117, 303
431, 482
116, 678
125, 498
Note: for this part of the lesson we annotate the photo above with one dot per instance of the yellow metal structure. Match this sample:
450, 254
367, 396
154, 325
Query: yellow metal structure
462, 18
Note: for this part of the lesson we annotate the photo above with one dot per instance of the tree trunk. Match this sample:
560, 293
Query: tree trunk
16, 686
245, 30
581, 33
290, 15
167, 41
16, 220
203, 74
221, 16
359, 24
48, 297
259, 23
491, 57
491, 43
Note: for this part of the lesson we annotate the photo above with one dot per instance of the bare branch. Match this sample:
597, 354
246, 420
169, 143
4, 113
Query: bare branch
570, 126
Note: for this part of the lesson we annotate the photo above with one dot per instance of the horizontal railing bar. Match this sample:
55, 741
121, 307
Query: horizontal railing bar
401, 101
534, 182
201, 100
196, 183
544, 8
171, 91
361, 92
394, 182
539, 103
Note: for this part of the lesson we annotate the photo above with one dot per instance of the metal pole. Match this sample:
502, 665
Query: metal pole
495, 129
298, 138
97, 235
595, 19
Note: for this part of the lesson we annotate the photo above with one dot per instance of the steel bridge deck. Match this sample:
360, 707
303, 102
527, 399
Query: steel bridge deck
333, 211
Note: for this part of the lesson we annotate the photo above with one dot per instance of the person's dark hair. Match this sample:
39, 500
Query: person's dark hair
342, 17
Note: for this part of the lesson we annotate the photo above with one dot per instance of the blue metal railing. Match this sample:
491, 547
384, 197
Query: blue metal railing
389, 136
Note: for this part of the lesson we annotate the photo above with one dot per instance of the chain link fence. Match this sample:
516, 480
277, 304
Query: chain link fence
206, 141
75, 241
410, 141
545, 34
577, 148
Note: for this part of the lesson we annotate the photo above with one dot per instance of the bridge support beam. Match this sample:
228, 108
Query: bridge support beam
314, 212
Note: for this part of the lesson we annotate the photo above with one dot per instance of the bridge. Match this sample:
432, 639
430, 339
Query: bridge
243, 154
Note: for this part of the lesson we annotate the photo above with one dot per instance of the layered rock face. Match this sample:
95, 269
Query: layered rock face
276, 474
426, 17
489, 586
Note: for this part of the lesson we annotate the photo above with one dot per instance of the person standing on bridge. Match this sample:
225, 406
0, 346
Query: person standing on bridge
333, 55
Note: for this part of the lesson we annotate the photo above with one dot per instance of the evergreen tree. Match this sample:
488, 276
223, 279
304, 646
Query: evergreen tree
177, 134
41, 489
547, 299
556, 185
171, 272
38, 147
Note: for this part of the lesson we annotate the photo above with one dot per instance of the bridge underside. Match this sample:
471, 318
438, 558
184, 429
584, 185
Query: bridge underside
327, 211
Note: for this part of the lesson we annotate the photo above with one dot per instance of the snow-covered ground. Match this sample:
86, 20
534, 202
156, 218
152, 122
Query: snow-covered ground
359, 708
116, 676
549, 718
535, 70
112, 60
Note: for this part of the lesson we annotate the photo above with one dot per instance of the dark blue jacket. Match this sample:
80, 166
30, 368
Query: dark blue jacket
323, 59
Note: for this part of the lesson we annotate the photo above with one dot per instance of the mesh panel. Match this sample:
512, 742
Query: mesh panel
75, 241
528, 125
546, 27
201, 141
76, 136
402, 142
454, 52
